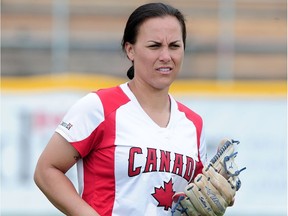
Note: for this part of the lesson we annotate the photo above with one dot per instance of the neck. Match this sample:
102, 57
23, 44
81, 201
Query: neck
150, 98
155, 102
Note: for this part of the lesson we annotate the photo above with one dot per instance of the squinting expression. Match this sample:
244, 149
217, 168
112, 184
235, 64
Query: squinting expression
158, 52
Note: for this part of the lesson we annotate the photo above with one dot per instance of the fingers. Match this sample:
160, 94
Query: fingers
220, 184
209, 195
213, 196
183, 206
199, 200
232, 202
203, 197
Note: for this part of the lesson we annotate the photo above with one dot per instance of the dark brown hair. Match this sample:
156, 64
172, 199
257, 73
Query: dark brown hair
141, 14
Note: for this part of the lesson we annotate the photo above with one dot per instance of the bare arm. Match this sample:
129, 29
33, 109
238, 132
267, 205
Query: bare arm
57, 158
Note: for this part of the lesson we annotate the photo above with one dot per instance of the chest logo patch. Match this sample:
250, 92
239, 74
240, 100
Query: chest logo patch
164, 195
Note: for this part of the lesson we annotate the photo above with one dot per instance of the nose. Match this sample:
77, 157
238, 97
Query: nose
165, 55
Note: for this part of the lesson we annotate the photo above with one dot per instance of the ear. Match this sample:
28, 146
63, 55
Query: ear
129, 48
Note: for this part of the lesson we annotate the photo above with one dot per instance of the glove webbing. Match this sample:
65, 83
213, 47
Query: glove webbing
226, 159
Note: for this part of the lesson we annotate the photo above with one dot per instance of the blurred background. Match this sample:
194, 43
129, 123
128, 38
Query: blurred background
234, 74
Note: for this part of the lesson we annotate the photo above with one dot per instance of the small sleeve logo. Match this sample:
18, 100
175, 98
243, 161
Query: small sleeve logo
68, 126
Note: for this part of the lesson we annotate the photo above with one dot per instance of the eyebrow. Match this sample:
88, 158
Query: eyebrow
173, 42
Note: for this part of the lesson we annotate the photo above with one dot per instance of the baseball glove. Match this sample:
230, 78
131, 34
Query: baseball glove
213, 190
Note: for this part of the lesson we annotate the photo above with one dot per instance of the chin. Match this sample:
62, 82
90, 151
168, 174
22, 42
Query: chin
163, 84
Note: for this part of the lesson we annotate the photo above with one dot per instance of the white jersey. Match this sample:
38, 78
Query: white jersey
130, 165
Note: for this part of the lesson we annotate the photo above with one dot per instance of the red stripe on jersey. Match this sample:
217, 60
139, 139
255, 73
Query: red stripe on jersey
198, 122
98, 165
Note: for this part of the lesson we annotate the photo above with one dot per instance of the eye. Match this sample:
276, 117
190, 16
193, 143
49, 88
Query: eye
175, 46
154, 46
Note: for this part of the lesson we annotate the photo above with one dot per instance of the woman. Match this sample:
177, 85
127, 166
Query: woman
134, 145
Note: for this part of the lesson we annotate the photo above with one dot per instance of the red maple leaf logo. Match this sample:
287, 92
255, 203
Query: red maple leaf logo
164, 195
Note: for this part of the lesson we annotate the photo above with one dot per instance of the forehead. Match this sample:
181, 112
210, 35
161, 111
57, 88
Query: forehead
160, 25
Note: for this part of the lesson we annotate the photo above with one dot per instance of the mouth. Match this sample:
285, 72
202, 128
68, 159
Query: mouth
164, 70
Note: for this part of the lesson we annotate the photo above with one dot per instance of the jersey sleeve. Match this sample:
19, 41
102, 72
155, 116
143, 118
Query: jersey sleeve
81, 120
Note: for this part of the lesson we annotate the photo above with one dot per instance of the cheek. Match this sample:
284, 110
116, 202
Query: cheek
179, 57
147, 58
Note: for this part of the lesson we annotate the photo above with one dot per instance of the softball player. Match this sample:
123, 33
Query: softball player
135, 146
